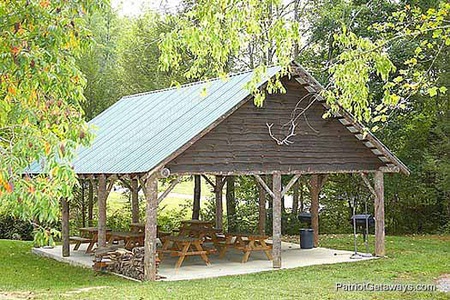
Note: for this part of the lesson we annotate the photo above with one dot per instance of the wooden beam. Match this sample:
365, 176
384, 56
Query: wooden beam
111, 180
314, 210
169, 189
276, 221
126, 183
133, 187
367, 182
142, 183
379, 214
65, 228
218, 189
102, 211
209, 181
290, 184
264, 185
151, 188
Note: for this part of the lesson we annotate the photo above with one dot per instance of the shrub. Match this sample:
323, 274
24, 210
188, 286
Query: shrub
15, 229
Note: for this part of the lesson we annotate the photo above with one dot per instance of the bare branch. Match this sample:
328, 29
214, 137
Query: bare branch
286, 140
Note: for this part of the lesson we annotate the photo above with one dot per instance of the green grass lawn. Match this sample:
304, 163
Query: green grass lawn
412, 259
187, 188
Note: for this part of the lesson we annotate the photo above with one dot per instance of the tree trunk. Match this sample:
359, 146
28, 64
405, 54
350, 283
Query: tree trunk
302, 197
231, 204
315, 190
379, 214
197, 195
276, 235
134, 200
83, 205
219, 204
262, 210
150, 255
295, 198
65, 227
102, 211
90, 203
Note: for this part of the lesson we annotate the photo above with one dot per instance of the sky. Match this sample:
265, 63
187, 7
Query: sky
135, 7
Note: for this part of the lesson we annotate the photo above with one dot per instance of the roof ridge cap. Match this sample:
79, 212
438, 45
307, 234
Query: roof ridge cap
187, 84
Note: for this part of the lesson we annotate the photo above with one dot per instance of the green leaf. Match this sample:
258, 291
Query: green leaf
432, 91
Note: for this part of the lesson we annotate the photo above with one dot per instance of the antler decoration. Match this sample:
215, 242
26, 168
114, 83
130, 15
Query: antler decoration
286, 140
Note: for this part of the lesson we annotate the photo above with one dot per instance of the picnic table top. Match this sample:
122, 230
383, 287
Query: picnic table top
91, 229
248, 235
176, 238
127, 234
197, 222
138, 224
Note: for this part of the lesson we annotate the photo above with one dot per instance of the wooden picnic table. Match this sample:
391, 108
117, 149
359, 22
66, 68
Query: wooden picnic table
183, 246
200, 229
140, 228
247, 243
137, 227
130, 239
91, 233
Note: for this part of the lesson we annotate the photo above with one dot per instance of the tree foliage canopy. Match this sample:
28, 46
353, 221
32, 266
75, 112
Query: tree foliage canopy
41, 91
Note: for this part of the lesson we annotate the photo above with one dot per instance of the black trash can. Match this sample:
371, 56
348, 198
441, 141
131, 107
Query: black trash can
306, 238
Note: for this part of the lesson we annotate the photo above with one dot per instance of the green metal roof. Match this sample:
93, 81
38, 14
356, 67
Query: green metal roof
139, 131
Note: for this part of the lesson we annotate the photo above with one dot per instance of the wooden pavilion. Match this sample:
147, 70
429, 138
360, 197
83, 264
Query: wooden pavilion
178, 132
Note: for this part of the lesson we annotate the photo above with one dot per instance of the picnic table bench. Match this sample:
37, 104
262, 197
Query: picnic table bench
247, 243
183, 246
79, 240
90, 233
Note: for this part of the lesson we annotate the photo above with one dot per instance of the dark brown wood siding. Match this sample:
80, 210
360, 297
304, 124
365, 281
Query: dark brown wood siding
241, 143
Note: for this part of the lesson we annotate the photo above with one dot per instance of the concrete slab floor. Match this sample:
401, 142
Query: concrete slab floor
194, 267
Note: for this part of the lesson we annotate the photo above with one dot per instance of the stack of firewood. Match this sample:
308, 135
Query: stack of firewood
128, 263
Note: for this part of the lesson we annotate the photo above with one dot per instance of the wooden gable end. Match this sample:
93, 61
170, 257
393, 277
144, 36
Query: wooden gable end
241, 143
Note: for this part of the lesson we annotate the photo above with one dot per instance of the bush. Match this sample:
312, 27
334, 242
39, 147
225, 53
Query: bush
14, 229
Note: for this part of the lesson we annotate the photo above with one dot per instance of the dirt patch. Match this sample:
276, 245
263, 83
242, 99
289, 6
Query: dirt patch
443, 283
16, 295
82, 290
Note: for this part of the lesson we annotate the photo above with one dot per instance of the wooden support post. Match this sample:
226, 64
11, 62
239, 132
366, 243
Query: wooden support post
151, 187
295, 198
262, 210
83, 203
65, 228
134, 200
197, 195
379, 214
219, 202
90, 203
276, 236
102, 211
315, 190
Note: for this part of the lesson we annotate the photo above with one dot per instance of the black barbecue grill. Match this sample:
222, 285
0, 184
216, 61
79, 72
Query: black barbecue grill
305, 217
362, 219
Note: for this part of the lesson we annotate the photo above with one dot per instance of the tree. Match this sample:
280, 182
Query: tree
213, 32
99, 62
40, 95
